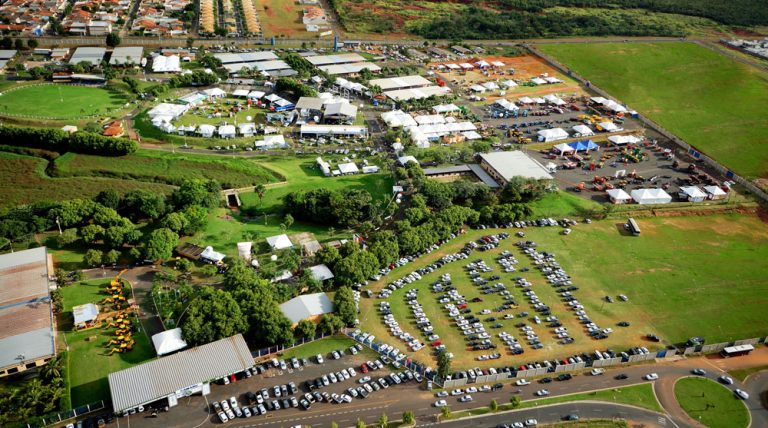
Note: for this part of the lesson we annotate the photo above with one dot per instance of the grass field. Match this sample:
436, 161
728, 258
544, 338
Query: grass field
281, 18
669, 274
640, 395
743, 374
25, 181
710, 403
324, 347
59, 101
703, 97
169, 168
88, 363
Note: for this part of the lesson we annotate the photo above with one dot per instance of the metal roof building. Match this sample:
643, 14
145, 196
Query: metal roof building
502, 166
178, 375
307, 306
127, 55
27, 339
92, 55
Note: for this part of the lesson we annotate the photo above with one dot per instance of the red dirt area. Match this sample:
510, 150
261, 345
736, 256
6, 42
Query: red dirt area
743, 32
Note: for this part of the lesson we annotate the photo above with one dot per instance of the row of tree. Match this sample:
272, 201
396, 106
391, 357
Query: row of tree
346, 207
61, 141
40, 395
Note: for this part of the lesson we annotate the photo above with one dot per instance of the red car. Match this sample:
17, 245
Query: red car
462, 306
437, 343
364, 368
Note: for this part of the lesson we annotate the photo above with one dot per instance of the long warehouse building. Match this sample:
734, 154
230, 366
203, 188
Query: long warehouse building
178, 375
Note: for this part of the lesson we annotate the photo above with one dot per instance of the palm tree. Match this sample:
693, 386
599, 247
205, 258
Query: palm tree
260, 190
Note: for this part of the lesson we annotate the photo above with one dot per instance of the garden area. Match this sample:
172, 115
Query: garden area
711, 404
703, 97
91, 357
58, 101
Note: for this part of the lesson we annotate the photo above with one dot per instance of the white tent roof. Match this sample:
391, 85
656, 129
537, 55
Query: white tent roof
445, 108
206, 129
477, 88
227, 130
214, 92
491, 86
714, 190
279, 242
497, 63
85, 313
452, 66
482, 63
341, 109
526, 100
321, 272
271, 141
429, 119
306, 306
471, 135
397, 118
209, 254
405, 159
553, 134
255, 95
539, 81
618, 194
651, 196
583, 130
507, 105
623, 139
168, 341
554, 100
348, 168
509, 83
240, 93
609, 126
693, 191
564, 148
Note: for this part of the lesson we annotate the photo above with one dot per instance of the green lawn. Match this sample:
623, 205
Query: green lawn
25, 181
59, 101
564, 204
636, 395
710, 403
88, 363
206, 114
705, 98
743, 374
668, 273
169, 168
323, 347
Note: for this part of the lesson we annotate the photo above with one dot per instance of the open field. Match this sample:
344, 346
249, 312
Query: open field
668, 273
640, 395
168, 168
710, 403
743, 374
25, 181
59, 101
703, 97
281, 18
324, 347
88, 363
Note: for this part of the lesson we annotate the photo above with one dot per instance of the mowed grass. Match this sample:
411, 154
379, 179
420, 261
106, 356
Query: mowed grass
25, 181
710, 403
705, 98
324, 347
280, 18
88, 363
684, 276
59, 101
640, 395
169, 168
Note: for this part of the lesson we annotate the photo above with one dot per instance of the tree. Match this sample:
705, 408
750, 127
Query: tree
240, 276
67, 237
92, 258
32, 43
212, 315
408, 417
260, 191
160, 244
443, 365
208, 270
344, 305
360, 423
109, 198
177, 222
197, 192
383, 420
141, 204
113, 39
305, 329
18, 44
330, 324
494, 406
514, 401
288, 221
197, 219
111, 257
184, 265
445, 411
91, 233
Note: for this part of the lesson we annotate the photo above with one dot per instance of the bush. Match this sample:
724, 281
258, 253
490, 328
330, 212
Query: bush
60, 141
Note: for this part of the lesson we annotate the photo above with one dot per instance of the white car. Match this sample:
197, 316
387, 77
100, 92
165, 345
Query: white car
319, 359
522, 382
440, 403
597, 372
742, 394
651, 376
531, 422
364, 379
726, 380
465, 399
442, 394
457, 392
542, 392
223, 417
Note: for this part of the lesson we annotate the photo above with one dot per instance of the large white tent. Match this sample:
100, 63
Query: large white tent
620, 140
397, 119
715, 192
168, 341
564, 148
279, 242
506, 105
583, 130
554, 134
692, 194
651, 196
609, 126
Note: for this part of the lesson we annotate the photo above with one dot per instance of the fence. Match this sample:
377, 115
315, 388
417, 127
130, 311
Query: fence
692, 151
263, 352
63, 416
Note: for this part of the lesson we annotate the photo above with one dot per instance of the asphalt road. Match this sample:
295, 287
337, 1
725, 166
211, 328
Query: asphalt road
397, 399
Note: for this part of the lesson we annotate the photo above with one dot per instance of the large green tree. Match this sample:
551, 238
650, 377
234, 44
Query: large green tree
305, 329
212, 315
160, 244
344, 305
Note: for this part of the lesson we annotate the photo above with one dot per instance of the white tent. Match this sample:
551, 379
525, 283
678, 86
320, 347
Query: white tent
246, 129
618, 196
445, 108
491, 86
279, 242
271, 141
477, 88
255, 95
620, 140
227, 131
508, 83
554, 134
168, 341
398, 118
583, 130
692, 194
507, 105
240, 93
214, 93
651, 196
321, 272
609, 126
525, 100
538, 81
348, 168
403, 160
471, 135
715, 192
554, 100
564, 148
210, 255
206, 130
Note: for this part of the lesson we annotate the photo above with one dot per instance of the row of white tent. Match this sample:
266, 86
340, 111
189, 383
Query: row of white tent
344, 168
659, 196
556, 134
470, 66
610, 105
492, 86
546, 99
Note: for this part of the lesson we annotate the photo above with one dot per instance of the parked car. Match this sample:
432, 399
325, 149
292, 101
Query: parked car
440, 403
651, 376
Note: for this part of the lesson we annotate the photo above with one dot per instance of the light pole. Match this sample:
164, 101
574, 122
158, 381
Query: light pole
58, 223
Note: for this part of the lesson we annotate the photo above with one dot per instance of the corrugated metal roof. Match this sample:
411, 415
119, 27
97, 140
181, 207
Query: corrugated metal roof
306, 306
159, 378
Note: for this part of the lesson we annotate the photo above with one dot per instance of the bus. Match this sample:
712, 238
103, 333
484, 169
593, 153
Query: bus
736, 351
632, 227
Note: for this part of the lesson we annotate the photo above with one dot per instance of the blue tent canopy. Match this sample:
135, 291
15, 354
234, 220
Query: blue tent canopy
583, 145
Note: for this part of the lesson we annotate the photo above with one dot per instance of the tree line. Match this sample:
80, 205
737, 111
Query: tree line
61, 141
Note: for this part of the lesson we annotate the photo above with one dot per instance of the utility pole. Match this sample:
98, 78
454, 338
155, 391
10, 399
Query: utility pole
58, 223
